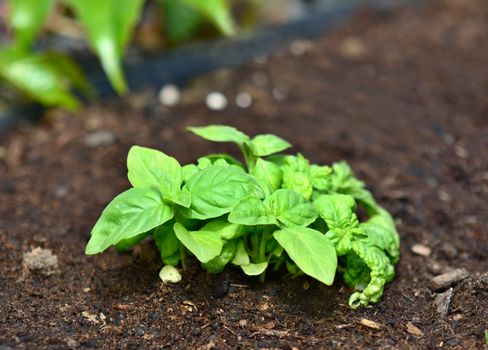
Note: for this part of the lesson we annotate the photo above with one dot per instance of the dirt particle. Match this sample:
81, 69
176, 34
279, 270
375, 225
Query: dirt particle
443, 301
370, 324
414, 330
353, 47
421, 249
99, 138
89, 317
41, 261
448, 279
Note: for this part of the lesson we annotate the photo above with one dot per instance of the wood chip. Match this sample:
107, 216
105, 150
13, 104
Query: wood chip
448, 279
421, 249
414, 330
443, 301
370, 324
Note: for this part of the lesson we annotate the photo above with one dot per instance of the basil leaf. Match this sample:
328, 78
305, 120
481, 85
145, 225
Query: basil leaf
298, 181
241, 257
290, 208
320, 177
220, 133
167, 243
127, 244
188, 171
254, 269
149, 168
217, 264
217, 189
264, 145
313, 253
129, 214
226, 229
383, 238
205, 245
338, 211
251, 211
268, 172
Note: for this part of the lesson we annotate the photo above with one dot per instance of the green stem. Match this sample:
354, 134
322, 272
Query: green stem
262, 250
183, 256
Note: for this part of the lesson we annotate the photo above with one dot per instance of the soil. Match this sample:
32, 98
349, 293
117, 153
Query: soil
401, 96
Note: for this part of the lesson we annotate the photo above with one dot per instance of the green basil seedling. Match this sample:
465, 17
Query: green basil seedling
270, 212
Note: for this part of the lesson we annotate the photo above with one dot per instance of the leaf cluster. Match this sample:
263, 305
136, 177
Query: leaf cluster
273, 211
49, 77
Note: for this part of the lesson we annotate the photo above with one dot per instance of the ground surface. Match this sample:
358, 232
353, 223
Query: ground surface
401, 97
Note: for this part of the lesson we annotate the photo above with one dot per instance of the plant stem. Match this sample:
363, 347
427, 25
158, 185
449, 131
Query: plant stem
262, 250
183, 256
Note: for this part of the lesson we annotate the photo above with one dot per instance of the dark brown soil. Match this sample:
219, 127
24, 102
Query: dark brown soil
402, 97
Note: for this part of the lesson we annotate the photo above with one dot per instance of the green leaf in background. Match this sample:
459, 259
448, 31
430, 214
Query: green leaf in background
217, 189
181, 22
226, 229
268, 172
313, 253
26, 18
267, 144
129, 214
127, 244
217, 264
109, 25
216, 11
241, 257
205, 245
251, 211
41, 77
290, 208
220, 133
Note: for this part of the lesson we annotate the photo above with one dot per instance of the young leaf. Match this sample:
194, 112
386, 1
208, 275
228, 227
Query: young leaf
217, 189
338, 211
297, 181
205, 245
188, 171
313, 253
290, 208
268, 172
26, 18
216, 11
251, 211
220, 133
126, 244
264, 145
109, 27
149, 168
129, 214
254, 269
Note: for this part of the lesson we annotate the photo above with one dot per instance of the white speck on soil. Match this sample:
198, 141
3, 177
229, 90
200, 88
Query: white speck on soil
243, 100
421, 249
169, 95
99, 138
216, 101
299, 47
41, 261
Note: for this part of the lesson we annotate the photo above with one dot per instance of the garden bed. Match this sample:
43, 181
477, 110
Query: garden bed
402, 98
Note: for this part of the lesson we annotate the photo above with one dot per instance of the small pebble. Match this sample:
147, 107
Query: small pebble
99, 138
41, 261
443, 301
169, 95
299, 47
243, 100
353, 47
421, 249
448, 279
370, 324
216, 101
414, 330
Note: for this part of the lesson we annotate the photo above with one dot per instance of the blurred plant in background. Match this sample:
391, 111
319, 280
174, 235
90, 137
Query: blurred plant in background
54, 79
